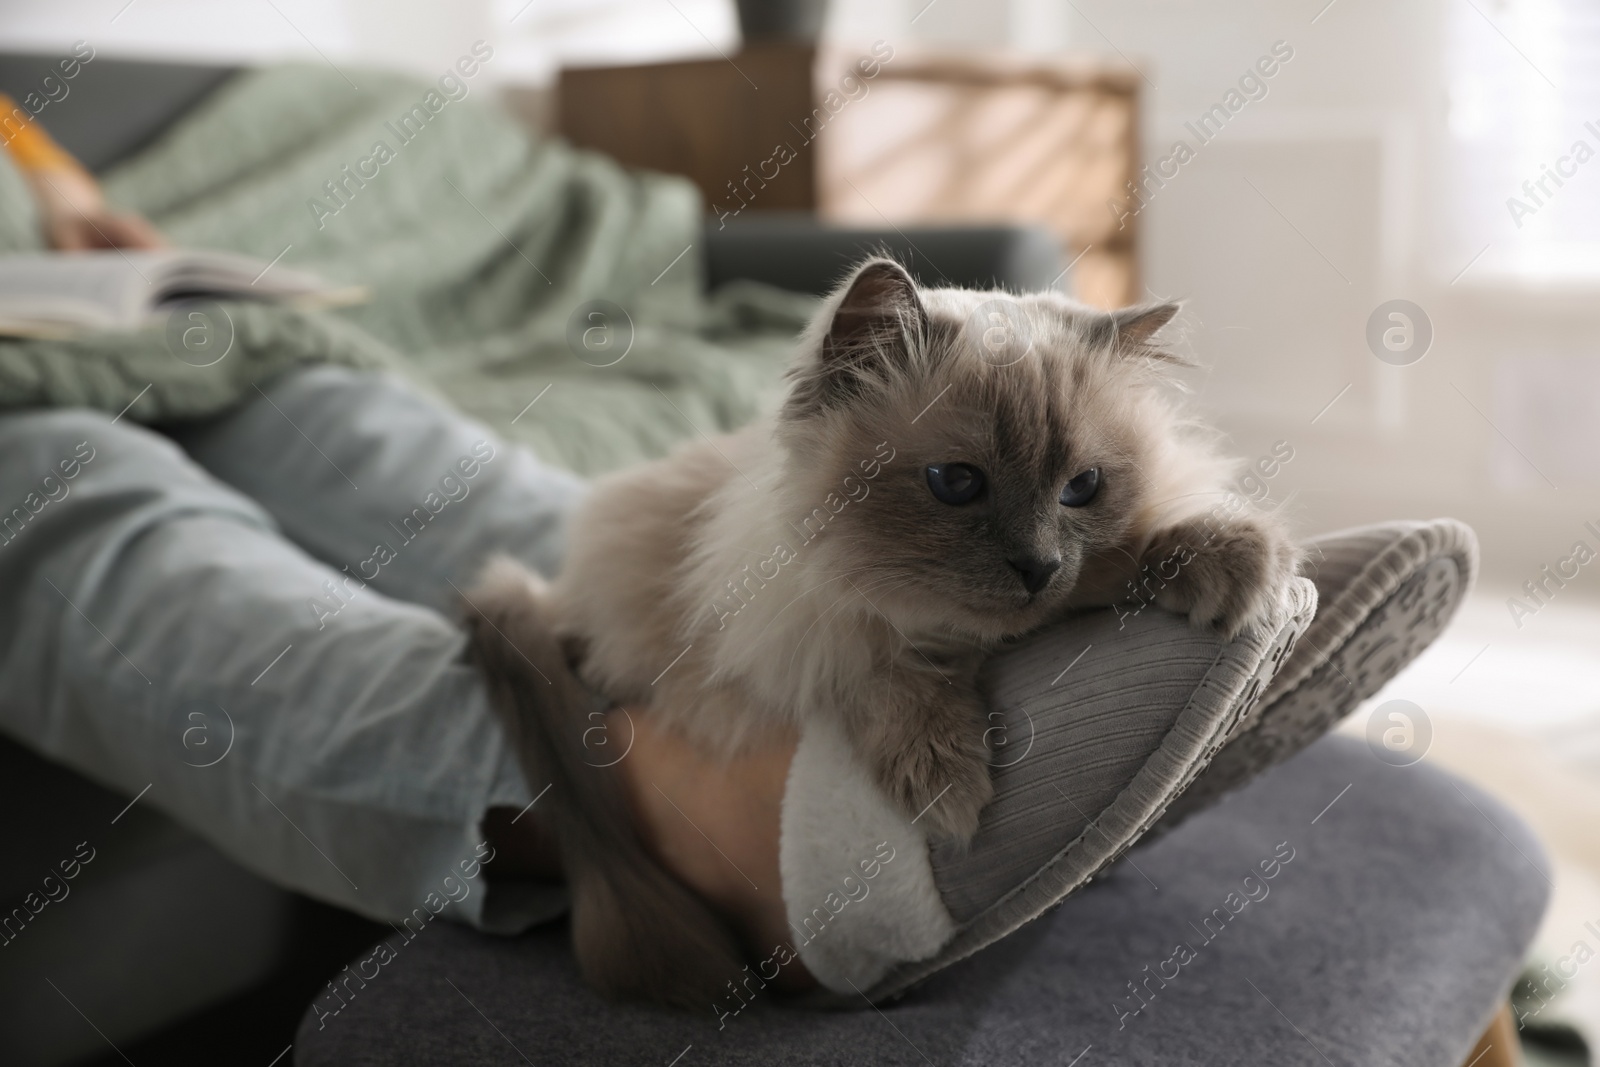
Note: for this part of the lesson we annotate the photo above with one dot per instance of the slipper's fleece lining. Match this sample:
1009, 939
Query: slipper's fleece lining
857, 883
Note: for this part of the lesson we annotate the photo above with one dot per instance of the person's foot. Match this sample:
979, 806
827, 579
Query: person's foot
715, 825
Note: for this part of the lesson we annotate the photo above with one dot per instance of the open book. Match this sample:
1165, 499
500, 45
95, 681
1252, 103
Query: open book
57, 294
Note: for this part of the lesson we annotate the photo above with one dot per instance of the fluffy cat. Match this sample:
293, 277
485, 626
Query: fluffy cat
949, 469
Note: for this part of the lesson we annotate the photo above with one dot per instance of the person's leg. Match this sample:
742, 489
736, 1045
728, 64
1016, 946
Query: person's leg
393, 489
155, 636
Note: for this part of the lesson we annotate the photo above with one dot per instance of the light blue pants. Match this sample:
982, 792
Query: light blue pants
255, 633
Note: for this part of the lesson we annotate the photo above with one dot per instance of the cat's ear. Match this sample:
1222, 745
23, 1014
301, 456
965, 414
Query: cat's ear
876, 320
879, 308
1137, 330
1140, 323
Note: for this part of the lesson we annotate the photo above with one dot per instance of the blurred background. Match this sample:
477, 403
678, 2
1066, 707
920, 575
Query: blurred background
1375, 164
1290, 170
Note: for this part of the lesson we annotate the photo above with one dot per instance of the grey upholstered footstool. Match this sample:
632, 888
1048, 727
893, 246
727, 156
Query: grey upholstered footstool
1336, 911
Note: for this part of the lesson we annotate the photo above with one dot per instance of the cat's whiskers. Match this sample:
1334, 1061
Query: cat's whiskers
1124, 550
1188, 496
802, 594
882, 581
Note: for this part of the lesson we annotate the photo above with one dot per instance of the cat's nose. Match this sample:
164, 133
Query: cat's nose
1035, 572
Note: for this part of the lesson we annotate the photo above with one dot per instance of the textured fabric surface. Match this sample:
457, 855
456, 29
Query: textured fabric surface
1036, 861
1386, 940
342, 460
1385, 592
154, 928
1069, 734
1357, 570
481, 246
310, 717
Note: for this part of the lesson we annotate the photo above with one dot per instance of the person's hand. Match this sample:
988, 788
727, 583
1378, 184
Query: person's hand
75, 215
715, 825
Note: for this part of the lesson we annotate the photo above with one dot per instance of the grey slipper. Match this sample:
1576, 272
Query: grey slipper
1384, 593
1097, 729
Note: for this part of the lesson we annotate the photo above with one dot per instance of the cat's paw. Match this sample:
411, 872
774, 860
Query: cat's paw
507, 580
940, 782
1227, 575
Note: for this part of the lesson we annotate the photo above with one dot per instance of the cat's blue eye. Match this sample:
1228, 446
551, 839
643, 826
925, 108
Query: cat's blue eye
1081, 489
954, 483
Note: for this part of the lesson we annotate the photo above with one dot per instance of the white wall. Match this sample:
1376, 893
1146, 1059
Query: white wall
531, 36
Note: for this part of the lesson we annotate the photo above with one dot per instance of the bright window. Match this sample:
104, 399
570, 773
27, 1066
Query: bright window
1522, 174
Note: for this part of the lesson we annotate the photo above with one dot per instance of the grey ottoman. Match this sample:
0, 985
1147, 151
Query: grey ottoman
1336, 911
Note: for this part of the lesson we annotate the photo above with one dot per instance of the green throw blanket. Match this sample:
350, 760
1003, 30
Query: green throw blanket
480, 245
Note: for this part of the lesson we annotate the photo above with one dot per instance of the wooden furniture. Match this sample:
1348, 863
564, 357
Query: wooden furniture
881, 136
714, 121
997, 139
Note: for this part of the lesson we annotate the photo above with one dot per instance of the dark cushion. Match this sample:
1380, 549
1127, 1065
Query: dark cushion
795, 251
157, 924
1388, 938
113, 107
